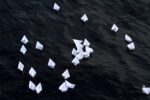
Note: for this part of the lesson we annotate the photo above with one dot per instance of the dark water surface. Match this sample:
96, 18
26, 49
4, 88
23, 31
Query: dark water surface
112, 73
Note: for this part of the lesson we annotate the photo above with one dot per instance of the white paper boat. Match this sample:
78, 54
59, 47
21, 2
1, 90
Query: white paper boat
131, 46
88, 49
86, 42
38, 88
39, 45
114, 28
32, 72
75, 61
56, 7
78, 44
23, 50
32, 86
128, 38
24, 40
20, 66
63, 87
69, 85
146, 90
84, 18
74, 52
76, 41
66, 74
51, 63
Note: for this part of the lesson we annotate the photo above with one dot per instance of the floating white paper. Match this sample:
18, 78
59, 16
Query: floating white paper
24, 40
146, 90
31, 86
75, 61
20, 66
69, 85
86, 54
74, 52
88, 49
63, 87
66, 74
39, 45
56, 7
51, 63
128, 38
131, 46
23, 50
114, 28
38, 88
86, 42
80, 56
32, 72
84, 18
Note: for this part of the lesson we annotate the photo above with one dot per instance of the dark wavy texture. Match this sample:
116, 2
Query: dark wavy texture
112, 73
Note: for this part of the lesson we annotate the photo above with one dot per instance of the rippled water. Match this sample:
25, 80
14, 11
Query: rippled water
112, 73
